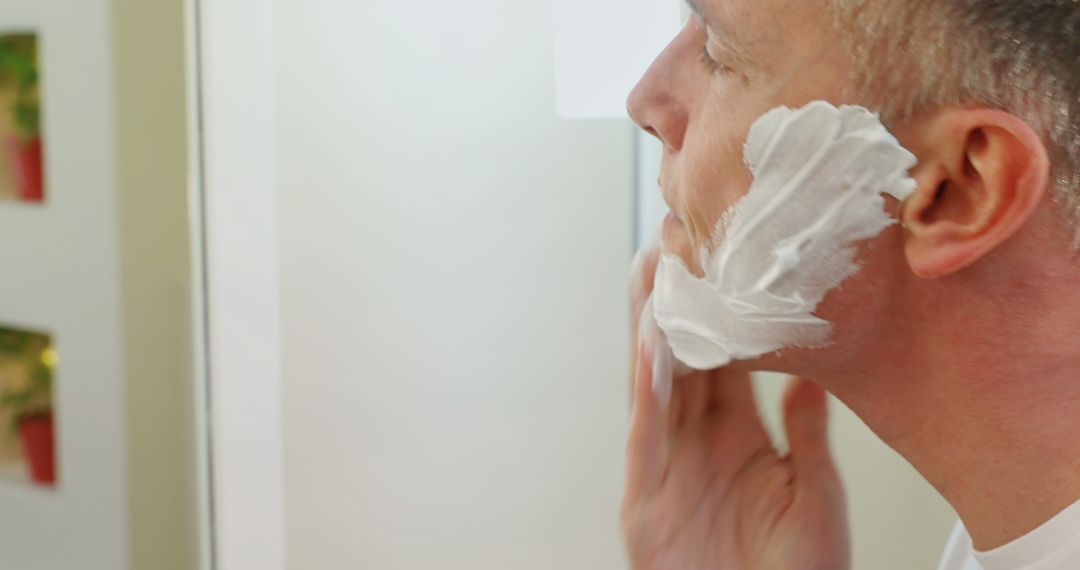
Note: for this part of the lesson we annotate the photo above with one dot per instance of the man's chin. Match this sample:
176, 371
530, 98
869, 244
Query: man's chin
792, 361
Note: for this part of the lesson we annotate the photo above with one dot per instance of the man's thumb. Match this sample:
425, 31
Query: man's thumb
806, 421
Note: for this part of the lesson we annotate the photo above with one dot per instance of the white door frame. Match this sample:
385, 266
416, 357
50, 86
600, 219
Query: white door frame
232, 82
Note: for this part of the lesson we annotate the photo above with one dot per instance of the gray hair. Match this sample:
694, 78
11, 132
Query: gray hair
1021, 56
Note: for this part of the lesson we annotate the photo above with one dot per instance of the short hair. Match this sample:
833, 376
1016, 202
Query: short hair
1021, 56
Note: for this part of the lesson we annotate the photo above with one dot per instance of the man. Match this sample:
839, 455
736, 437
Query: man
958, 342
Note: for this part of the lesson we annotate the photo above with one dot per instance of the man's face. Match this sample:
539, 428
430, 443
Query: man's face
734, 60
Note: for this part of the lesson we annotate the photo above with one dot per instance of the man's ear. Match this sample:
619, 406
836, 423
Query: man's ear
981, 175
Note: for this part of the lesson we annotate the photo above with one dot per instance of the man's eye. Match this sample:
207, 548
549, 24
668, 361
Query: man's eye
711, 64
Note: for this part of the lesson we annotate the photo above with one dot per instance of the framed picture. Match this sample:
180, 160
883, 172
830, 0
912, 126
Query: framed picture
22, 168
27, 440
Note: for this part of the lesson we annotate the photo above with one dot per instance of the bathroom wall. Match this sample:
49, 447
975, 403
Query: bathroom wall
453, 268
60, 262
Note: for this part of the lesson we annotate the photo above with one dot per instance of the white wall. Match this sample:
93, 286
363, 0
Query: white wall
454, 262
239, 198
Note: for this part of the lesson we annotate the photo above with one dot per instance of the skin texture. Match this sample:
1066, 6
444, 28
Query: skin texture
706, 489
957, 343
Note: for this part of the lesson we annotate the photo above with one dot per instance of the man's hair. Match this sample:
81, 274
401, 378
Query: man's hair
1021, 56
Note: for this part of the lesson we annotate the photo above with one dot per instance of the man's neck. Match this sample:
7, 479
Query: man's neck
994, 426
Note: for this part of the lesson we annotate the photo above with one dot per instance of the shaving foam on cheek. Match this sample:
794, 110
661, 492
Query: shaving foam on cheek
819, 175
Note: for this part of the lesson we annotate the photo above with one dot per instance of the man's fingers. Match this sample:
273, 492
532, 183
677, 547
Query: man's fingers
806, 421
647, 445
730, 391
689, 405
663, 363
642, 276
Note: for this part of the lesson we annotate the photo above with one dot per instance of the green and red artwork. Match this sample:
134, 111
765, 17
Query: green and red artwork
22, 165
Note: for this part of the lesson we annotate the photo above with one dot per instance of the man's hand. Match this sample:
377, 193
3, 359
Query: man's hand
705, 488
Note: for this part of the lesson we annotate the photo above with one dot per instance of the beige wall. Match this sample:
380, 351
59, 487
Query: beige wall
152, 162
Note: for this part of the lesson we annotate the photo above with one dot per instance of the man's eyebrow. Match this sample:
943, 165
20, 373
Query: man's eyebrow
724, 35
693, 4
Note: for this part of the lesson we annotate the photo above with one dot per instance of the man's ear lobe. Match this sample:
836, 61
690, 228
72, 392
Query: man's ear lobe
981, 175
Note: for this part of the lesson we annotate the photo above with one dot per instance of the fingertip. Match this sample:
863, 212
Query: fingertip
652, 259
644, 362
643, 271
661, 359
806, 422
643, 394
802, 394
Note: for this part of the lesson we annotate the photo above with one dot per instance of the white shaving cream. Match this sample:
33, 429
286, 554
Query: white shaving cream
819, 175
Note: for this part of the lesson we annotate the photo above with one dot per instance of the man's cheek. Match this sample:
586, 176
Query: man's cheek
719, 181
819, 176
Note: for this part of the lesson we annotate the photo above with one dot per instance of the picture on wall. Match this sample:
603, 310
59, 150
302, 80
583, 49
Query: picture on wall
27, 440
22, 168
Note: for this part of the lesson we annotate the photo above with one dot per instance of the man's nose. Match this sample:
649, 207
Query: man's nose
653, 104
